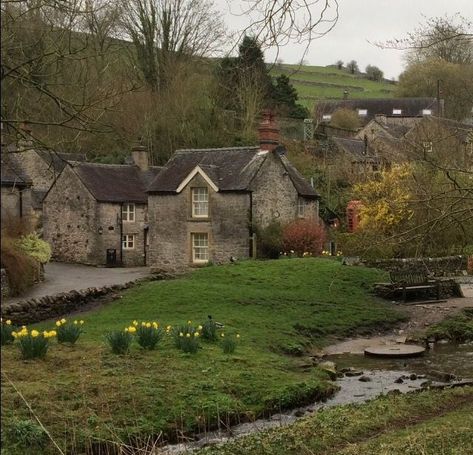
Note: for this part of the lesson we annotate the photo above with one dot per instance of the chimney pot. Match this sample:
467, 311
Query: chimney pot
268, 132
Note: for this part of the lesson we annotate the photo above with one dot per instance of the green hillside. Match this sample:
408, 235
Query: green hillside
327, 82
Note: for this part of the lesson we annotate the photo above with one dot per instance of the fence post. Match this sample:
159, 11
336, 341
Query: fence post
253, 245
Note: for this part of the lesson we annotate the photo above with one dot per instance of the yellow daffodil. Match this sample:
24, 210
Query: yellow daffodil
52, 333
196, 334
148, 325
143, 324
23, 327
14, 334
63, 321
188, 335
189, 322
8, 322
34, 333
132, 329
58, 323
200, 327
155, 326
45, 334
126, 329
81, 322
238, 335
222, 335
135, 323
75, 322
168, 327
181, 334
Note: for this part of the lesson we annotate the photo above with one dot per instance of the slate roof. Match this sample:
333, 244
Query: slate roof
58, 160
114, 182
356, 148
11, 174
410, 107
231, 169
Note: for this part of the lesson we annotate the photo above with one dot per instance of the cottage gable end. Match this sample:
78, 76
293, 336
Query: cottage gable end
197, 171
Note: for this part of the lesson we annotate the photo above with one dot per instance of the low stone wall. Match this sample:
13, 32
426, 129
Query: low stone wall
438, 267
40, 309
4, 284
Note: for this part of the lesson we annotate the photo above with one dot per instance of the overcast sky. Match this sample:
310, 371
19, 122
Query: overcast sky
361, 22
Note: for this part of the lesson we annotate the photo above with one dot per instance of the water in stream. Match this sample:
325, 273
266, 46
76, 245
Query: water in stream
379, 377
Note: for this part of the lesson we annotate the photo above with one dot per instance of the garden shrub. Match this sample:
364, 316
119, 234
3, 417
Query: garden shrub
68, 332
6, 330
304, 236
120, 340
26, 434
35, 247
33, 344
148, 335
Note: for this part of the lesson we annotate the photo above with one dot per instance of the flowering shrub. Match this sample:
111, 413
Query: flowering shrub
6, 330
33, 344
229, 343
120, 340
35, 247
186, 337
304, 236
148, 334
68, 332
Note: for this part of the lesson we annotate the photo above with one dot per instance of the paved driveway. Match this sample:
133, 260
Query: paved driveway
61, 277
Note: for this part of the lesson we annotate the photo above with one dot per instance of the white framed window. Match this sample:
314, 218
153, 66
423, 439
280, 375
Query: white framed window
128, 212
200, 202
426, 111
301, 207
428, 147
397, 111
128, 242
200, 247
326, 117
362, 112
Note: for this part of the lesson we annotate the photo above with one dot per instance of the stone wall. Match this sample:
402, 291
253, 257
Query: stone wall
275, 197
48, 307
5, 286
445, 266
171, 226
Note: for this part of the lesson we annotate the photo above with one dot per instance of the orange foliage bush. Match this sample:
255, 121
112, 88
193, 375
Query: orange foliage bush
304, 236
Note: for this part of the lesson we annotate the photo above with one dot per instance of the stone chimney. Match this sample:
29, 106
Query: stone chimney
140, 156
381, 118
268, 132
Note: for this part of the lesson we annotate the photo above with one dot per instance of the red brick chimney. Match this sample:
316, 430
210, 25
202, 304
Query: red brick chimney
268, 132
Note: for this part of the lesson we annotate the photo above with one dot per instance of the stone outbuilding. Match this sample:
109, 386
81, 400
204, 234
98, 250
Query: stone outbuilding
205, 205
97, 213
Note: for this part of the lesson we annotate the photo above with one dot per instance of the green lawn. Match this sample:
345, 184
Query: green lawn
279, 307
427, 423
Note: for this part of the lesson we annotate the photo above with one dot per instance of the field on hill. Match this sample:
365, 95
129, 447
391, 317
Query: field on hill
322, 82
85, 395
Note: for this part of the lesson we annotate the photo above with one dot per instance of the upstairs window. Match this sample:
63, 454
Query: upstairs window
326, 117
128, 212
200, 247
362, 112
426, 111
128, 242
200, 202
397, 111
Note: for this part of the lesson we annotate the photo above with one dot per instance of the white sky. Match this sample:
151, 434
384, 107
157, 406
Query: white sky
360, 22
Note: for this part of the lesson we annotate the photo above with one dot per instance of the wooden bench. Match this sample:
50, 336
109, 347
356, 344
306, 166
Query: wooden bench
413, 281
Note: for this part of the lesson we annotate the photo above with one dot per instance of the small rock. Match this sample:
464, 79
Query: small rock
364, 378
352, 373
413, 377
299, 413
394, 392
330, 368
426, 384
399, 380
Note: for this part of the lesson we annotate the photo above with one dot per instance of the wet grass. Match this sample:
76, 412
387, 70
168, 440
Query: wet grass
85, 393
458, 328
427, 423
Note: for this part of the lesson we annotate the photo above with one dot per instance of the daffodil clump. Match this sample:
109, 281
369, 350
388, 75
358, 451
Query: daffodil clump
209, 330
33, 344
120, 340
186, 337
148, 334
6, 330
229, 342
68, 331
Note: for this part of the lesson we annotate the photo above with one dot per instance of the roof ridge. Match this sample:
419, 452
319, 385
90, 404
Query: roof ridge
109, 165
218, 149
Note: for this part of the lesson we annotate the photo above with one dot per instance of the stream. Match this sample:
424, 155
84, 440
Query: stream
363, 378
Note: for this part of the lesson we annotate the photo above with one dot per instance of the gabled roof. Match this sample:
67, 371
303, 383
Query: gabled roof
58, 160
230, 169
410, 107
11, 174
115, 183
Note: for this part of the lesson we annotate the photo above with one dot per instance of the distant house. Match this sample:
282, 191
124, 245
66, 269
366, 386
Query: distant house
97, 213
16, 199
205, 205
442, 140
368, 108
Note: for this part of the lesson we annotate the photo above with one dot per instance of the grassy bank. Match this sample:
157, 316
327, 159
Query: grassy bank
85, 393
458, 328
428, 423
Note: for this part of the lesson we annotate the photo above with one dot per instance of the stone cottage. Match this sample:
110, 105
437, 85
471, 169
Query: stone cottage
205, 204
97, 213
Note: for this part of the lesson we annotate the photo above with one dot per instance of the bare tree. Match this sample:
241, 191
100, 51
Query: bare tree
166, 31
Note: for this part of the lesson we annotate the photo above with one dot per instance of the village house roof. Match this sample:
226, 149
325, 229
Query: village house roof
370, 107
114, 182
11, 175
230, 169
356, 148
